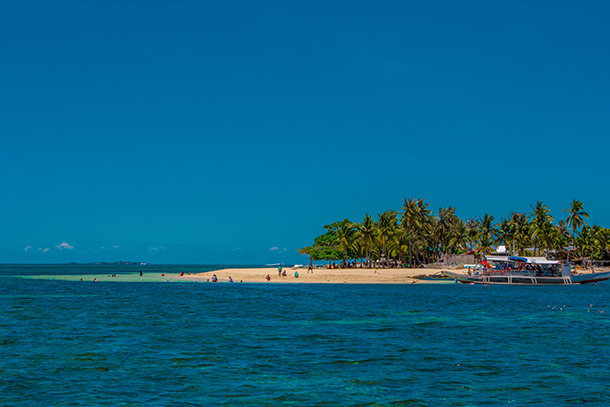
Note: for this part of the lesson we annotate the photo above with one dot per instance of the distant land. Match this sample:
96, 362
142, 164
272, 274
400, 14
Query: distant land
117, 263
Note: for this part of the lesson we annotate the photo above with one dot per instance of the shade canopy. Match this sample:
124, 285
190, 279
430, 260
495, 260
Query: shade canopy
534, 260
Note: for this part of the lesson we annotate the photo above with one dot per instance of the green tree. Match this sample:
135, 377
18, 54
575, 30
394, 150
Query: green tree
506, 232
521, 232
365, 234
586, 242
540, 219
345, 233
324, 248
471, 232
560, 238
459, 235
487, 230
424, 222
408, 223
386, 226
603, 239
443, 228
575, 220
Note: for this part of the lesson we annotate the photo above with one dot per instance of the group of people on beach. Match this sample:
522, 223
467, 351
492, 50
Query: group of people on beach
230, 280
282, 273
343, 265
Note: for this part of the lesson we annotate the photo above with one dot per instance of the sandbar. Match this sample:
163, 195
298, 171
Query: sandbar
320, 276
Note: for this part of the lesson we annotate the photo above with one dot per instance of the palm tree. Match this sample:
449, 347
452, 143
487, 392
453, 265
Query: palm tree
603, 239
575, 219
459, 237
407, 222
421, 236
506, 231
586, 242
560, 237
485, 245
597, 237
487, 230
547, 236
345, 235
377, 248
401, 241
442, 228
471, 232
386, 226
540, 217
424, 226
366, 234
522, 231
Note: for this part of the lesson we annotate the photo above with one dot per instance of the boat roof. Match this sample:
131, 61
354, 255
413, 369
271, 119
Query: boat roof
535, 260
497, 258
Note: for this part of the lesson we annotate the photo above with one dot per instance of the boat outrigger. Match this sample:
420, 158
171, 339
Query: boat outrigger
524, 271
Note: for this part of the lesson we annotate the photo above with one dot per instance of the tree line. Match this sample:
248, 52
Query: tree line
416, 235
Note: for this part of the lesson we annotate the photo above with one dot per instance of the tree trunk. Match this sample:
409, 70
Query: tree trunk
410, 247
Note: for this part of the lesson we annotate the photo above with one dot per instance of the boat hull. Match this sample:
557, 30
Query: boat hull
590, 278
517, 279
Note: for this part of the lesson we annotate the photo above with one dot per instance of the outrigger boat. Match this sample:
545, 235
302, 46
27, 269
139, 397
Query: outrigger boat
524, 271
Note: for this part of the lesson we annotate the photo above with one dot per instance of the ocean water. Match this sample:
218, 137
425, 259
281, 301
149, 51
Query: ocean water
72, 343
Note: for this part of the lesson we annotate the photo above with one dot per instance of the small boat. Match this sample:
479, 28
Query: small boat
517, 270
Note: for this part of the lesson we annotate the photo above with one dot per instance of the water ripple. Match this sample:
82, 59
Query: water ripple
66, 343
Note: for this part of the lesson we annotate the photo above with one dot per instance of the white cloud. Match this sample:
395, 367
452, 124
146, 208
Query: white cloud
64, 245
27, 248
45, 250
274, 248
155, 249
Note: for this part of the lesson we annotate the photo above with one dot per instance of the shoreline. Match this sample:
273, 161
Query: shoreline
319, 276
258, 275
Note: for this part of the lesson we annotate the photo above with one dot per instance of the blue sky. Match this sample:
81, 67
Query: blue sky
231, 132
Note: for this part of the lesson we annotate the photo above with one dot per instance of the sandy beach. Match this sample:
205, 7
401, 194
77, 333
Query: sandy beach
258, 275
319, 275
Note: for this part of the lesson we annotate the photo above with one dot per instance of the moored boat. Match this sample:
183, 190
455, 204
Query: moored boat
525, 271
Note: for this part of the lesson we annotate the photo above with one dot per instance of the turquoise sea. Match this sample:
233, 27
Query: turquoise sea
73, 343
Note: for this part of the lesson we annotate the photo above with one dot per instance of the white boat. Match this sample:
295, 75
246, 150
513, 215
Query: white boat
524, 271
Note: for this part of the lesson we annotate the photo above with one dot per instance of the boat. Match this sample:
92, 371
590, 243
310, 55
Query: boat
518, 270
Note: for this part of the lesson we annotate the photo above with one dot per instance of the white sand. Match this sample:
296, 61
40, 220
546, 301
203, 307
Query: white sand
319, 275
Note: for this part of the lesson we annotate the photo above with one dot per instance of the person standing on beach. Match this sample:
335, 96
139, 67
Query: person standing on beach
310, 268
140, 273
279, 270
